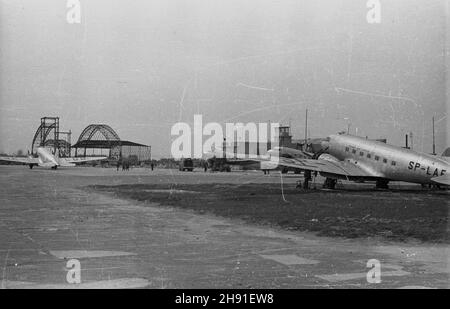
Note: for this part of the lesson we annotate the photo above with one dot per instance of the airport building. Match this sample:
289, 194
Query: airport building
49, 135
95, 139
102, 139
283, 139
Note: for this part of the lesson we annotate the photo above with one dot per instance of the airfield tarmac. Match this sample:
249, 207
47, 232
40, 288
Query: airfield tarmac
49, 217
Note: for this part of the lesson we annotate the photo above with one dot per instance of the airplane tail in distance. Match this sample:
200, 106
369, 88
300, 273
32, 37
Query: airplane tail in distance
446, 153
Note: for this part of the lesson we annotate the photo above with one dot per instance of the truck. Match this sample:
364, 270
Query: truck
186, 165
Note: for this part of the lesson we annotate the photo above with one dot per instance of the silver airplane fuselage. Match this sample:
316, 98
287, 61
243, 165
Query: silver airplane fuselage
387, 161
46, 157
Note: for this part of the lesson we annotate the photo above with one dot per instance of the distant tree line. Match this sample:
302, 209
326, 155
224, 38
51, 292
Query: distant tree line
19, 153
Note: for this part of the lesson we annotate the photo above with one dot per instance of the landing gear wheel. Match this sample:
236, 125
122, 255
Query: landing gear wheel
382, 184
31, 166
307, 178
330, 183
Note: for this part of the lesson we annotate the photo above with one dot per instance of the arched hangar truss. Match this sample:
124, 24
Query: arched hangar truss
98, 132
102, 136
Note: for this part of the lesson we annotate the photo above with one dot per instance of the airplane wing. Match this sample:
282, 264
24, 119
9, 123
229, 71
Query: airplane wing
442, 180
340, 168
240, 161
23, 160
82, 159
291, 153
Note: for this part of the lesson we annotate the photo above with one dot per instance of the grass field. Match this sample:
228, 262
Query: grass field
395, 214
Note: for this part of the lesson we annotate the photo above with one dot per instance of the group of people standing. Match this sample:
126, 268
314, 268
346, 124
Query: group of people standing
126, 165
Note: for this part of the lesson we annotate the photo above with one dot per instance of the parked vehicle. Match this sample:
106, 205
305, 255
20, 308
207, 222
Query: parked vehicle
186, 165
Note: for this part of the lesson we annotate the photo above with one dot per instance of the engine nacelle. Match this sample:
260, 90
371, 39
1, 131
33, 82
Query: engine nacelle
269, 165
328, 157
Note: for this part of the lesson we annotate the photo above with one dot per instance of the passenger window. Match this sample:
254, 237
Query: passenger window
347, 149
384, 160
354, 151
361, 153
377, 158
369, 156
393, 163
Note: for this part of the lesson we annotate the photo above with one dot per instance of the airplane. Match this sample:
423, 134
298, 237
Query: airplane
264, 163
285, 152
359, 159
45, 158
288, 152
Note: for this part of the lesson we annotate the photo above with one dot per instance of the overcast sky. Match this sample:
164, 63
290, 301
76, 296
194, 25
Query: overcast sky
141, 66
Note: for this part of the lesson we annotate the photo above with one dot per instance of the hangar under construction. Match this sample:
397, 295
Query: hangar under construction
95, 139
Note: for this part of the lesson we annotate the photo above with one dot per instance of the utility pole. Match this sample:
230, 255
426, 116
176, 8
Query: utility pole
306, 127
434, 142
411, 138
